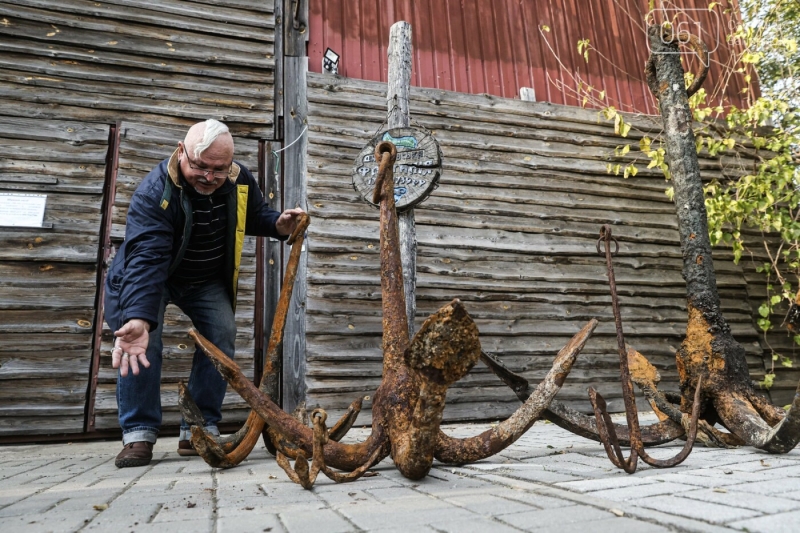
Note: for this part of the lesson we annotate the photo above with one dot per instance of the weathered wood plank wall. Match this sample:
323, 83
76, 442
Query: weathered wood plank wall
147, 61
157, 66
48, 275
511, 231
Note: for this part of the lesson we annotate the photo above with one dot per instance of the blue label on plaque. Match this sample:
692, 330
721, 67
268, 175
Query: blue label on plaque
405, 142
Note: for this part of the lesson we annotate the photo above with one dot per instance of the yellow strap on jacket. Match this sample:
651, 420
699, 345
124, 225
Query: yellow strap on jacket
241, 219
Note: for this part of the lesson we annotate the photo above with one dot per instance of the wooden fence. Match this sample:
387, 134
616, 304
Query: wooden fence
511, 231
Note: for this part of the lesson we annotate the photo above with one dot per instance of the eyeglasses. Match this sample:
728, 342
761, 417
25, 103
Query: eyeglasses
217, 174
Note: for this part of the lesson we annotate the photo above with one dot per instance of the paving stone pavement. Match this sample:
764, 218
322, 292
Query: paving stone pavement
549, 480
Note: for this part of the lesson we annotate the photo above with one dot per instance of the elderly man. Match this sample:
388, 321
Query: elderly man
183, 244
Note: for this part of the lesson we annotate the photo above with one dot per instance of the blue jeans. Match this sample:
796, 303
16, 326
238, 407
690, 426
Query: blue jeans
139, 397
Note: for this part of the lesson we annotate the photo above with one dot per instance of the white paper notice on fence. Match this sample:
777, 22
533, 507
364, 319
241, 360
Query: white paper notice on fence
22, 210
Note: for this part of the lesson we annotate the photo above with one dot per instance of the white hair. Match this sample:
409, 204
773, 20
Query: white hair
214, 128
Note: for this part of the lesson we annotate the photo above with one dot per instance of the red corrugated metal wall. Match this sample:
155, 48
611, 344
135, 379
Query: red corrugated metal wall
499, 46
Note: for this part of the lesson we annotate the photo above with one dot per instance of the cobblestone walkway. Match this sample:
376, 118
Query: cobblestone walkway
550, 480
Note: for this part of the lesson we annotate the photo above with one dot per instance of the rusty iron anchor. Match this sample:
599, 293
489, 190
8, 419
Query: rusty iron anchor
605, 427
408, 405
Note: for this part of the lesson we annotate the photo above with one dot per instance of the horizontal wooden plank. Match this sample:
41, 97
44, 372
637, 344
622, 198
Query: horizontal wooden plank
518, 311
137, 38
370, 296
171, 419
560, 272
40, 424
53, 131
43, 298
51, 275
78, 111
371, 325
107, 401
61, 365
134, 94
44, 392
110, 107
39, 244
160, 68
184, 15
77, 321
125, 75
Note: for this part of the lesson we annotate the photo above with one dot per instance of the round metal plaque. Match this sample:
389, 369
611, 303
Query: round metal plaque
417, 168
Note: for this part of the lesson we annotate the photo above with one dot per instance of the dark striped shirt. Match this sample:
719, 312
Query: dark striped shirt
205, 254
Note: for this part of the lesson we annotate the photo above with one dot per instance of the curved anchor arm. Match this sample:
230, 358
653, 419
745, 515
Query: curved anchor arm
451, 450
341, 456
576, 422
736, 411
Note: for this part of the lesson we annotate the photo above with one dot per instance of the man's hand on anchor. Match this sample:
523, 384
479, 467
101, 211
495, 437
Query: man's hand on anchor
287, 222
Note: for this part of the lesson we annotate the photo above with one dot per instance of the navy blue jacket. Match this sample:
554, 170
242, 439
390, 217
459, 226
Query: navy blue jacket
158, 229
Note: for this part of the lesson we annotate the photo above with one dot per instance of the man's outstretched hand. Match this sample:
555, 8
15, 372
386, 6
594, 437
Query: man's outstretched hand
130, 347
287, 222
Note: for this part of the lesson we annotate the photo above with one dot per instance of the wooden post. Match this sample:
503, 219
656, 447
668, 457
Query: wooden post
273, 263
397, 103
295, 111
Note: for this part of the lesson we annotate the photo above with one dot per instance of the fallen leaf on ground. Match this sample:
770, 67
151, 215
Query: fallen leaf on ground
101, 507
718, 489
617, 512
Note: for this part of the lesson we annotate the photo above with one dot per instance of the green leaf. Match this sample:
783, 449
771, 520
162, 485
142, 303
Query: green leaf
763, 310
775, 300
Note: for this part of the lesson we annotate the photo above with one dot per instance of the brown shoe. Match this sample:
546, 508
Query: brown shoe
135, 454
186, 449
